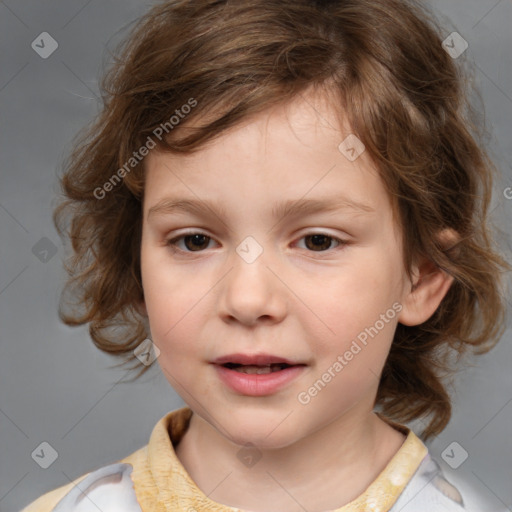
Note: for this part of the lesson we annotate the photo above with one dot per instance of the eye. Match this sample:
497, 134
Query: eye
197, 241
194, 242
320, 242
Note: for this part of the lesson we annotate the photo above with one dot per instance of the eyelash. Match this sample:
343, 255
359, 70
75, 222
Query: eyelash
172, 243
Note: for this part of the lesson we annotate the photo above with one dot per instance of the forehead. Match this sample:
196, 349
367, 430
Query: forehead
290, 152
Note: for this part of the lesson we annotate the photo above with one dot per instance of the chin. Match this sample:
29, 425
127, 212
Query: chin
266, 433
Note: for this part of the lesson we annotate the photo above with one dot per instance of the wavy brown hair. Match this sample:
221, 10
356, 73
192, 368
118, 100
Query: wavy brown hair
383, 65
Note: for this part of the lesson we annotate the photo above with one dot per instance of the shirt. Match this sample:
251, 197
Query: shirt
152, 479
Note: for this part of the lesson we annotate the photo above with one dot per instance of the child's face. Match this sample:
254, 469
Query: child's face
304, 298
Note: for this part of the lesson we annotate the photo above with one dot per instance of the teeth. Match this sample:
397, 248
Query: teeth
259, 370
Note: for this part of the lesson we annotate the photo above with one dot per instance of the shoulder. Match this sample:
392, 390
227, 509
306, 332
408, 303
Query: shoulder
100, 488
121, 486
429, 490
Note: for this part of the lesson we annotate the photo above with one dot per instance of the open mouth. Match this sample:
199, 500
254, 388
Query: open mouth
257, 369
257, 375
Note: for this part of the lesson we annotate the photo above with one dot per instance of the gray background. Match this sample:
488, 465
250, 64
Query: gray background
55, 386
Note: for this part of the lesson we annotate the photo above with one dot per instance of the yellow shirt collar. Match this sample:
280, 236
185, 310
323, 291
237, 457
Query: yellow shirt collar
178, 491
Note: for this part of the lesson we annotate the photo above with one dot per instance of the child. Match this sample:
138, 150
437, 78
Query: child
284, 198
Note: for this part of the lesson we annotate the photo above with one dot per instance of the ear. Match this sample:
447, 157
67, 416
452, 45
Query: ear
429, 287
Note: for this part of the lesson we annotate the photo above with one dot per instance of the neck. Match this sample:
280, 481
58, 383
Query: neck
323, 471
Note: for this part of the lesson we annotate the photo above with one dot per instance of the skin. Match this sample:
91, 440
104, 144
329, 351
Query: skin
295, 301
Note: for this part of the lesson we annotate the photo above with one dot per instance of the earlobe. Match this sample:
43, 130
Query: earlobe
429, 287
427, 292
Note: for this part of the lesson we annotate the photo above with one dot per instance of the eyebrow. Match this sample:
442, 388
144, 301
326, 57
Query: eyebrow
286, 209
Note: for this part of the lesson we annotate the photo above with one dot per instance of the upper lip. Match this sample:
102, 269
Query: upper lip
254, 359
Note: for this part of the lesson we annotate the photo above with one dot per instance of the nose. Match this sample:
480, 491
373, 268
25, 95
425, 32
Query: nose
252, 293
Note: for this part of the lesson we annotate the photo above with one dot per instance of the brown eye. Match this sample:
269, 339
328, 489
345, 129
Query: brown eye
318, 242
194, 242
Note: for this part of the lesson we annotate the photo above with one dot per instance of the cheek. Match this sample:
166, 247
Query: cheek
348, 307
175, 303
174, 319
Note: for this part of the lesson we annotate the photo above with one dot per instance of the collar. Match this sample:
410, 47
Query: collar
178, 491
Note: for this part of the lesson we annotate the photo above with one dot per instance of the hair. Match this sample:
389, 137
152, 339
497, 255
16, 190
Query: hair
383, 66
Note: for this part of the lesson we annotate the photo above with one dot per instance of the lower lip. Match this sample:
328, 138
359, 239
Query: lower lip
258, 384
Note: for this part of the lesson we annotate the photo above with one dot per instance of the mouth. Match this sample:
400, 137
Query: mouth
255, 363
257, 375
257, 369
